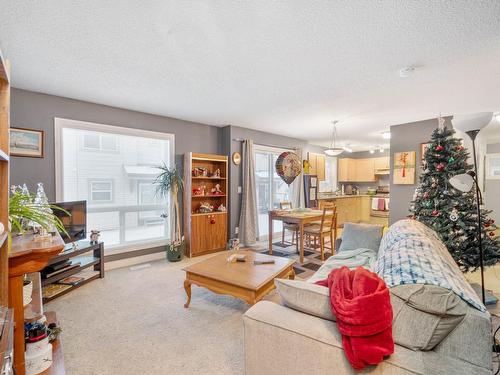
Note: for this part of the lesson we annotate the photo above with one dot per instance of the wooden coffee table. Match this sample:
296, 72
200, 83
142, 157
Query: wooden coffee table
244, 280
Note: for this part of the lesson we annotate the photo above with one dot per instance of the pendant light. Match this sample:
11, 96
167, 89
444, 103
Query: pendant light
333, 150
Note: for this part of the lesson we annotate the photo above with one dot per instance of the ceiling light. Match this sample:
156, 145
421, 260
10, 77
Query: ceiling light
407, 71
381, 150
333, 150
386, 135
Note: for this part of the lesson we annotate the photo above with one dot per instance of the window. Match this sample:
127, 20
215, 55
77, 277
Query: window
101, 191
330, 182
99, 142
113, 168
270, 188
493, 166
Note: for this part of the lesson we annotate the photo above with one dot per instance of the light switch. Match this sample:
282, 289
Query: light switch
239, 189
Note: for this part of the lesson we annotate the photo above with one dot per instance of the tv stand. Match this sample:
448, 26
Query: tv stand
90, 257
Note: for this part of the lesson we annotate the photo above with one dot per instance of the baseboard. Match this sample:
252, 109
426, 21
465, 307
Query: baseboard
134, 261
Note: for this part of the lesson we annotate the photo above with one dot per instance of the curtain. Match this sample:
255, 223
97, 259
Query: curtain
249, 228
298, 199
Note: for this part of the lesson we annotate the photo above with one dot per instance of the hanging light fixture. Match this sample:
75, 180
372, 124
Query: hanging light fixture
333, 150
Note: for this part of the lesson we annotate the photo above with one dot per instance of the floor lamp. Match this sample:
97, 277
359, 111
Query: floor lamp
472, 125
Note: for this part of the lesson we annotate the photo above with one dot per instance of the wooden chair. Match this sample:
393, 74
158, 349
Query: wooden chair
294, 228
326, 228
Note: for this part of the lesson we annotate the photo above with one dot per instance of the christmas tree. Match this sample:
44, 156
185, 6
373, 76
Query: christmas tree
450, 212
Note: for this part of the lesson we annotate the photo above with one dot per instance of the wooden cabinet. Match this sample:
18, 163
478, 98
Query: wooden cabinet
317, 164
346, 170
205, 232
351, 209
382, 165
208, 232
361, 170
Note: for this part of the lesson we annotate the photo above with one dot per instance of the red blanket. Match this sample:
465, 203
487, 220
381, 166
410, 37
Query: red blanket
360, 301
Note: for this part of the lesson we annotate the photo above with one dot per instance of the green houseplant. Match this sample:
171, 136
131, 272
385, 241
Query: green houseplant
170, 181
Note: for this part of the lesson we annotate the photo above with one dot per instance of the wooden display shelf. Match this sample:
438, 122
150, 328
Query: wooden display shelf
208, 178
57, 367
208, 213
88, 277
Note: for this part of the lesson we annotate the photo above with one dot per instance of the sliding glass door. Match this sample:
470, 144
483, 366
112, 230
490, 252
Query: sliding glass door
271, 189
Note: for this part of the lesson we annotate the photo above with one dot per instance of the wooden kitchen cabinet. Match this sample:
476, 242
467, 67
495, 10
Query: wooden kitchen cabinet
365, 170
317, 163
346, 170
382, 165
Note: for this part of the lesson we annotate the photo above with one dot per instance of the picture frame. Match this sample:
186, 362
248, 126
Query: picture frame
26, 142
423, 149
404, 168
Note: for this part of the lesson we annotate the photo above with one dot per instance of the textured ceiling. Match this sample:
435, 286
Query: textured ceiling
287, 67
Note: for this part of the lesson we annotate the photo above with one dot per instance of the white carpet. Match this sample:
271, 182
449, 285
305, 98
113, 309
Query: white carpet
134, 322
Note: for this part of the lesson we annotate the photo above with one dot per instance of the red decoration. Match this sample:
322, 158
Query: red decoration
436, 213
486, 225
459, 148
492, 234
212, 220
439, 148
426, 195
440, 167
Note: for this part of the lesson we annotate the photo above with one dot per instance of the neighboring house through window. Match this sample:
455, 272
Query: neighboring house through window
101, 191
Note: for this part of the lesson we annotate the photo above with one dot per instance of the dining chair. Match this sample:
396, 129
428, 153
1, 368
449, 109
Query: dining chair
294, 228
327, 228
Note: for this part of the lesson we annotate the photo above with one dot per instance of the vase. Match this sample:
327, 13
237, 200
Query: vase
175, 252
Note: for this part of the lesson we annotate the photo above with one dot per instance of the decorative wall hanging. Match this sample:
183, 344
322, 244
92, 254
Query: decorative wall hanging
404, 168
26, 142
236, 158
288, 166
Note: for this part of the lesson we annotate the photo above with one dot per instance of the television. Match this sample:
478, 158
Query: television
75, 223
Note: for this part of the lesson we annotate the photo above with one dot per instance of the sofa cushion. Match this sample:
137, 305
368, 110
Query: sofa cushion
356, 236
424, 315
308, 298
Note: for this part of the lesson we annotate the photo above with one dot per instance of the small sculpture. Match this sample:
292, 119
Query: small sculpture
198, 191
205, 207
216, 190
216, 173
94, 236
221, 208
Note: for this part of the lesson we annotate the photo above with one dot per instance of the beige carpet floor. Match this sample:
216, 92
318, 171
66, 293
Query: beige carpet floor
134, 322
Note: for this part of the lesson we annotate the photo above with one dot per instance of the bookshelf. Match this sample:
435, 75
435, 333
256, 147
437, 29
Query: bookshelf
206, 186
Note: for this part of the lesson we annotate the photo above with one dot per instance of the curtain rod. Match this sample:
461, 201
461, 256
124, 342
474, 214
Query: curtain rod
241, 140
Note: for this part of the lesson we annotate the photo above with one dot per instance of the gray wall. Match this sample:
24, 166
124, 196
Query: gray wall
37, 111
408, 137
234, 132
492, 188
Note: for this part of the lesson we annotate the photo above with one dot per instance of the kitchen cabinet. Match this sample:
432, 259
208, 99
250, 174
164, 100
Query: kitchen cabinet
317, 164
350, 209
356, 170
382, 165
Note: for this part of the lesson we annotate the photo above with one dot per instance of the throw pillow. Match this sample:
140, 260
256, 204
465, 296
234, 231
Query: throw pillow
424, 315
305, 297
357, 236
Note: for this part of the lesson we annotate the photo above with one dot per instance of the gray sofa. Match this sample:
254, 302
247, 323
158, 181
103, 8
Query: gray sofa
435, 332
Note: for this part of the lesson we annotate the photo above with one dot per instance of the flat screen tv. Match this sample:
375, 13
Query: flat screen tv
76, 222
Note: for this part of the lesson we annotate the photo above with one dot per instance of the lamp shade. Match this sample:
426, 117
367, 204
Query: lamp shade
462, 182
333, 151
472, 121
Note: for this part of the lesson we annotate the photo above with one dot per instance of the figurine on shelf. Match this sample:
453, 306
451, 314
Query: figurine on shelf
216, 174
198, 191
94, 236
221, 208
200, 172
216, 190
205, 207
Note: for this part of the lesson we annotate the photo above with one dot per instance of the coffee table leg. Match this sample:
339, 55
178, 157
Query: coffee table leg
187, 288
291, 276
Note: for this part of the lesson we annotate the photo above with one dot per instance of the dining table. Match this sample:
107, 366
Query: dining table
301, 217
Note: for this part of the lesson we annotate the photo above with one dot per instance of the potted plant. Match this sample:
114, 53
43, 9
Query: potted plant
170, 181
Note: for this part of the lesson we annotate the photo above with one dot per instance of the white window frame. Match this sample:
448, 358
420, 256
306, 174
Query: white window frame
92, 190
62, 123
489, 175
100, 148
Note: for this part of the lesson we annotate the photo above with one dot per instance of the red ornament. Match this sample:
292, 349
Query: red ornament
426, 195
492, 221
486, 225
212, 220
440, 167
492, 234
459, 148
439, 148
436, 213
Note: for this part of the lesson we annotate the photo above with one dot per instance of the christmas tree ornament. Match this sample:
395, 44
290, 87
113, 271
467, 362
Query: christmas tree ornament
454, 215
435, 213
440, 167
441, 126
492, 234
426, 195
451, 159
439, 148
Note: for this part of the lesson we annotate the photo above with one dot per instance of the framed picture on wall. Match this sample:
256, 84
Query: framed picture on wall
26, 142
404, 168
423, 149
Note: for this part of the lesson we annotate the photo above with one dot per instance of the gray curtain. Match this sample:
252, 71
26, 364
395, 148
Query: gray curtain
248, 226
298, 199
